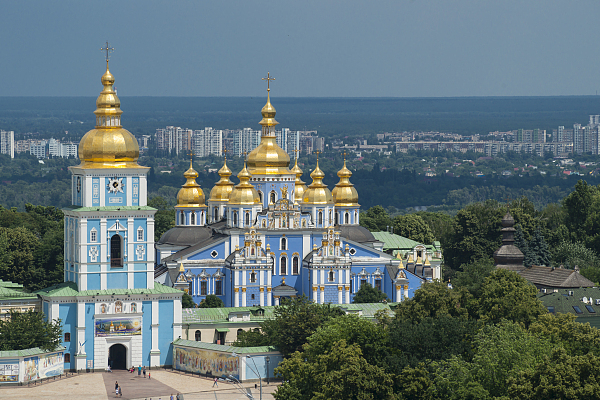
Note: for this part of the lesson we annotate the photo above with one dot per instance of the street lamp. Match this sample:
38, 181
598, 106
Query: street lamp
255, 370
267, 359
239, 387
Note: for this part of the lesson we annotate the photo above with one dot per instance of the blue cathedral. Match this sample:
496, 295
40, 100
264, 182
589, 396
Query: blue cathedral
253, 243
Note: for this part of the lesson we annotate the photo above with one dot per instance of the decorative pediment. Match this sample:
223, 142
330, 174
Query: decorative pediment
117, 227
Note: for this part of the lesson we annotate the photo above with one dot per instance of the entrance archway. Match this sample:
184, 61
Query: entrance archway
117, 356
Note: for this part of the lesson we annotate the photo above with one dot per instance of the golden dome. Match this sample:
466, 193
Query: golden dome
344, 193
190, 194
268, 158
317, 192
244, 193
108, 145
222, 189
300, 186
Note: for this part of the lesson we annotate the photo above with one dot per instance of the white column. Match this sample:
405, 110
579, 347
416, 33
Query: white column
347, 289
103, 250
131, 237
244, 297
150, 250
261, 296
80, 356
154, 351
269, 297
129, 188
322, 295
177, 318
236, 297
340, 288
276, 300
398, 293
406, 291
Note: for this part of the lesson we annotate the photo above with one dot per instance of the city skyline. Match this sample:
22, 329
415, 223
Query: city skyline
313, 49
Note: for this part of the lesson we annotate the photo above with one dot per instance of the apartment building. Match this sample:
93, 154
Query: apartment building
7, 143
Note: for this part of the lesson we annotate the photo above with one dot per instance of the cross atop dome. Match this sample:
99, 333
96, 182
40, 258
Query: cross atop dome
108, 50
268, 79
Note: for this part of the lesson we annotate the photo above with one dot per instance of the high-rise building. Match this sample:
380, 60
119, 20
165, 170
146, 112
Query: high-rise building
38, 149
245, 140
174, 139
578, 141
7, 143
207, 141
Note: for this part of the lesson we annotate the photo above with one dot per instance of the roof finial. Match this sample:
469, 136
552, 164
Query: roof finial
225, 152
108, 50
268, 79
191, 156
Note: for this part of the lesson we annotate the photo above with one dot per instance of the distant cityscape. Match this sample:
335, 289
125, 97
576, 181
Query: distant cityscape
208, 141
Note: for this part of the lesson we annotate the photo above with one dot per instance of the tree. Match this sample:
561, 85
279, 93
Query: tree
431, 339
371, 337
340, 374
211, 301
563, 330
506, 295
376, 219
560, 377
164, 219
538, 251
435, 299
413, 227
27, 330
369, 294
187, 301
294, 321
472, 275
17, 261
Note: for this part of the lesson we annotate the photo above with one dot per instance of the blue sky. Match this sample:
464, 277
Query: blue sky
320, 48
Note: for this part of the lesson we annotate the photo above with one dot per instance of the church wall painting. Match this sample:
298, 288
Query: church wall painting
9, 371
51, 365
118, 326
204, 361
31, 372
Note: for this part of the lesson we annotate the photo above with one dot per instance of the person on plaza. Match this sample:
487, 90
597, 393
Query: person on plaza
148, 375
116, 385
216, 383
144, 371
120, 392
172, 398
140, 370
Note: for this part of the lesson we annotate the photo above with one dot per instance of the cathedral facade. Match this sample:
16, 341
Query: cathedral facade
271, 236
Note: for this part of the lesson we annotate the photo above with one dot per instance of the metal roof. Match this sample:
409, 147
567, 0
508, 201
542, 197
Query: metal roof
223, 348
69, 289
28, 352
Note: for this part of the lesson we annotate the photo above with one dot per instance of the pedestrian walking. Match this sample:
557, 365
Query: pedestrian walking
148, 375
120, 392
144, 371
216, 383
172, 398
140, 370
116, 385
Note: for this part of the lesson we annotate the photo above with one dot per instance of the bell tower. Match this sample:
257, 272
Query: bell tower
109, 229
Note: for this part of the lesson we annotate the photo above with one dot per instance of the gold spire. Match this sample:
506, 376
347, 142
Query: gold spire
108, 145
344, 193
222, 189
190, 194
317, 192
244, 193
300, 186
268, 158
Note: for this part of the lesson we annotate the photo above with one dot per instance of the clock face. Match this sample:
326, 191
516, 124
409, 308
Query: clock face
115, 185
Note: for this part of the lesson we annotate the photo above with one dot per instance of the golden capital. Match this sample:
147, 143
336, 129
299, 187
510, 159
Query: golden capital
244, 289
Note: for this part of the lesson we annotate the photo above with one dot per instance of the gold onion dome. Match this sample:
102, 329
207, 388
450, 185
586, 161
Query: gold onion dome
222, 189
190, 194
317, 192
268, 158
108, 145
300, 186
244, 193
344, 193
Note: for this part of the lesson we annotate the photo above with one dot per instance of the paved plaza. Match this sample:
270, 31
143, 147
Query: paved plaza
101, 385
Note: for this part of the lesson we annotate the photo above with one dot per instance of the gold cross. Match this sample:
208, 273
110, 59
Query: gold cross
108, 50
296, 151
191, 155
225, 152
268, 79
345, 154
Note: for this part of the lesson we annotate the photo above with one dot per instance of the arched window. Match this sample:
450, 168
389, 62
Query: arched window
181, 218
252, 296
260, 196
198, 336
240, 331
215, 214
336, 219
116, 255
253, 277
272, 197
355, 217
234, 218
330, 218
193, 218
331, 276
295, 266
247, 218
202, 217
347, 218
283, 244
283, 265
320, 217
93, 235
140, 234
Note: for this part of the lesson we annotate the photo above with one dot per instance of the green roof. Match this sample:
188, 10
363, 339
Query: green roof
221, 315
27, 352
223, 348
393, 241
69, 289
111, 208
563, 302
